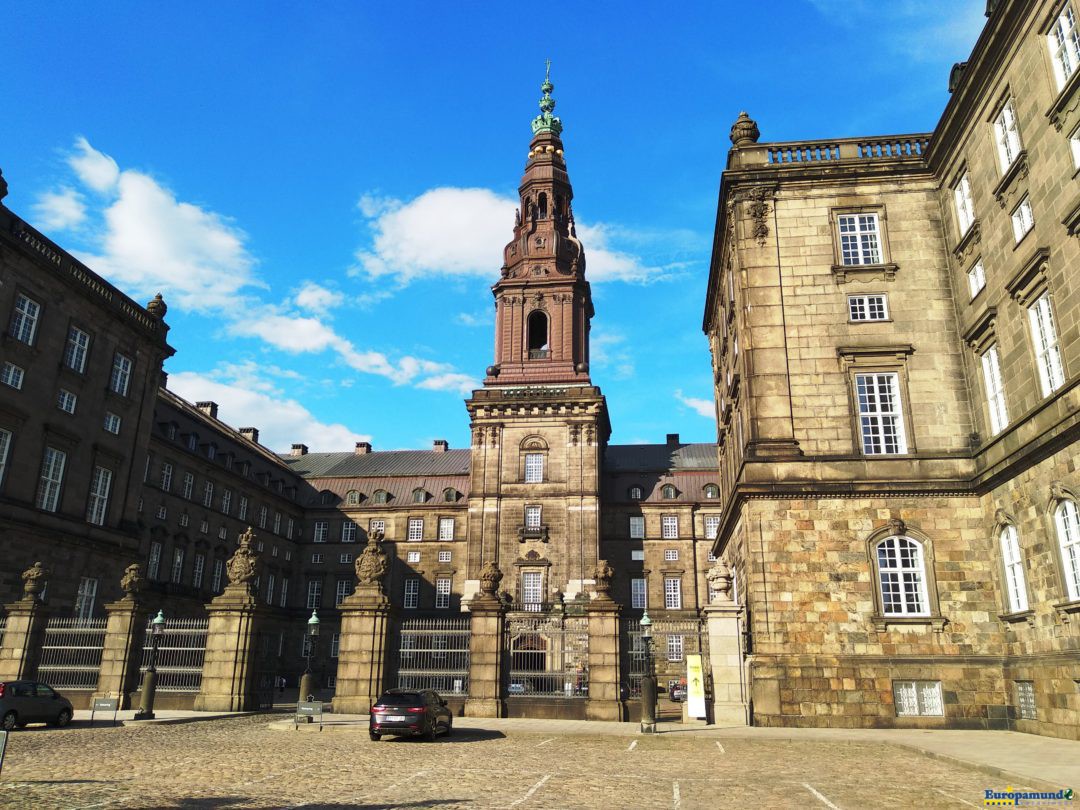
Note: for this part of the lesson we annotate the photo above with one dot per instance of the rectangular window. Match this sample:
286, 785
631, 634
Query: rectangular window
284, 592
860, 242
1007, 135
413, 557
995, 390
199, 567
637, 527
534, 468
532, 588
178, 565
348, 531
671, 554
1047, 351
184, 518
965, 208
976, 278
416, 529
242, 514
918, 698
153, 562
215, 582
446, 528
712, 526
320, 531
289, 528
98, 505
1064, 41
673, 593
344, 559
277, 523
208, 494
675, 648
166, 476
84, 600
223, 533
445, 556
412, 593
12, 375
867, 308
112, 423
269, 589
78, 343
442, 593
1025, 699
189, 486
66, 400
5, 448
24, 319
335, 649
226, 501
1023, 219
1074, 144
316, 559
532, 517
314, 594
52, 477
1013, 561
120, 376
344, 588
637, 555
669, 527
638, 598
163, 512
881, 419
262, 517
377, 526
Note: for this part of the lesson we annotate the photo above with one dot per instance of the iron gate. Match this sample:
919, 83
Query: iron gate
673, 640
71, 652
180, 654
549, 656
434, 654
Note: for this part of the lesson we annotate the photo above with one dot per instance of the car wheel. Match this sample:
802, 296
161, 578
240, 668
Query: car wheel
449, 727
63, 718
374, 736
432, 732
11, 719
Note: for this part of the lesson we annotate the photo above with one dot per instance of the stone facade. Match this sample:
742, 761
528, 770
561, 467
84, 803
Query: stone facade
878, 391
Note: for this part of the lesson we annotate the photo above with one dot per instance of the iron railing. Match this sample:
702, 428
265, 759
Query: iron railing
180, 655
549, 656
672, 641
71, 652
434, 654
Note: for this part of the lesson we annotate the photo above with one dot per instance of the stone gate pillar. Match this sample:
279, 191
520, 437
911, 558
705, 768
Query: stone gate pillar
365, 626
25, 627
723, 619
229, 664
605, 701
125, 629
486, 647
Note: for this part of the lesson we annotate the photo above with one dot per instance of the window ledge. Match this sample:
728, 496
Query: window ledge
967, 242
1066, 103
1019, 616
1006, 187
1067, 608
842, 273
1071, 220
881, 622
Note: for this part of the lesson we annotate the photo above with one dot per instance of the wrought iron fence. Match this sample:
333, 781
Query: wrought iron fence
672, 641
549, 656
434, 654
71, 652
180, 654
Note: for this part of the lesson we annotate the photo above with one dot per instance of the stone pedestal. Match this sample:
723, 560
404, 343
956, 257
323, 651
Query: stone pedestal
365, 625
605, 700
730, 694
486, 658
23, 636
230, 652
121, 656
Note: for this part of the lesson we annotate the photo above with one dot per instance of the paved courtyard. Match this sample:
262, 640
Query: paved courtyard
243, 762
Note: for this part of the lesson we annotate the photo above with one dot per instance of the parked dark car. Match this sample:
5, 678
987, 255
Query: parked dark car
23, 702
678, 694
410, 713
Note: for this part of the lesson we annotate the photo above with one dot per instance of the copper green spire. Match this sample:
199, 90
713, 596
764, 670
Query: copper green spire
546, 122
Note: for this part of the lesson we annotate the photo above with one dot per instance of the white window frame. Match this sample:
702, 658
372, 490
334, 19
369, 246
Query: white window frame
445, 556
671, 555
1044, 339
120, 375
12, 375
24, 319
412, 557
534, 468
243, 508
263, 512
176, 575
637, 554
317, 558
639, 593
66, 401
881, 413
532, 588
98, 504
1013, 561
446, 529
976, 276
226, 501
270, 588
215, 580
964, 205
411, 599
860, 239
343, 589
112, 423
918, 699
377, 523
320, 531
189, 486
51, 479
675, 648
166, 476
901, 569
314, 594
198, 568
1067, 522
533, 517
208, 494
995, 389
712, 526
284, 593
868, 308
673, 593
415, 530
1007, 135
1074, 145
5, 450
76, 349
442, 593
669, 527
637, 527
1025, 700
348, 531
1023, 219
1063, 39
153, 560
85, 598
344, 558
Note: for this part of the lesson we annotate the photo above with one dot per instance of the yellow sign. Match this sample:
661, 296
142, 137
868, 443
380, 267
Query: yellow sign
695, 687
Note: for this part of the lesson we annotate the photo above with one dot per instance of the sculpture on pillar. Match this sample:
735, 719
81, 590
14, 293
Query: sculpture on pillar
603, 575
241, 566
132, 582
490, 577
34, 579
372, 563
719, 577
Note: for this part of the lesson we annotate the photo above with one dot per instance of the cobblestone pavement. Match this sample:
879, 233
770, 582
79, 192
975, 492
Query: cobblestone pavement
242, 762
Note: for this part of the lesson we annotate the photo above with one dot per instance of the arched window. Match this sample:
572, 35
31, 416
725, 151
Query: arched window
668, 492
538, 335
635, 493
1015, 586
712, 491
1068, 531
419, 495
543, 205
352, 498
902, 575
381, 496
449, 495
326, 497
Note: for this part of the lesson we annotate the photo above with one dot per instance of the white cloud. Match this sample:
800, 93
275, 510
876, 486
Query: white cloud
469, 319
703, 407
291, 333
451, 381
281, 422
603, 263
608, 350
312, 296
59, 210
94, 168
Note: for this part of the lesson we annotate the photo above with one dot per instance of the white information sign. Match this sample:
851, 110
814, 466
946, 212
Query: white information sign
695, 687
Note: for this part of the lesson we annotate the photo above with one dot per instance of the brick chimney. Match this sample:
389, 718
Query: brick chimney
299, 450
673, 439
209, 408
251, 434
363, 448
440, 445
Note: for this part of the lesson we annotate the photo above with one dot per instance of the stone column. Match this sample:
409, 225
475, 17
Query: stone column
605, 700
25, 627
365, 625
486, 650
723, 619
125, 628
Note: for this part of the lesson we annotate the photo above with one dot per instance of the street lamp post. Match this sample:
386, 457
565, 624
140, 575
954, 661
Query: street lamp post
311, 634
648, 680
149, 682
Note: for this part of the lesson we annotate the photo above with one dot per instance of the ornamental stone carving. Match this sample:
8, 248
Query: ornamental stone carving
372, 564
719, 578
490, 577
744, 131
132, 582
34, 579
603, 574
241, 566
157, 307
897, 526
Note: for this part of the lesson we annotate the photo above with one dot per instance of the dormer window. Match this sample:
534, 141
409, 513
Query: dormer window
635, 493
669, 492
449, 495
381, 497
211, 451
170, 431
712, 491
352, 498
419, 496
326, 498
193, 442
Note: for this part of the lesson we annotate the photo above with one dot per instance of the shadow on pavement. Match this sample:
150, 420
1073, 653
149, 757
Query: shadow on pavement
460, 735
215, 802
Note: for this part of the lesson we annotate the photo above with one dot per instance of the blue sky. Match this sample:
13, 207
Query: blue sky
322, 191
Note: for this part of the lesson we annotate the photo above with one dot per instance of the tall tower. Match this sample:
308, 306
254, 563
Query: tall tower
539, 426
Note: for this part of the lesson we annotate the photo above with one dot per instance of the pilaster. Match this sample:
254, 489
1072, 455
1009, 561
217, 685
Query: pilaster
121, 656
604, 676
361, 673
723, 620
486, 658
228, 669
23, 635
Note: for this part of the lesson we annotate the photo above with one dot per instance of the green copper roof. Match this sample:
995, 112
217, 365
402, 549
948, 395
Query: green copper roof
546, 122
